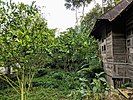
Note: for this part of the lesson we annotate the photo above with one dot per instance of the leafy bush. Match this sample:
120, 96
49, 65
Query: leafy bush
73, 49
128, 84
24, 43
58, 76
3, 85
45, 84
27, 44
41, 72
47, 87
96, 89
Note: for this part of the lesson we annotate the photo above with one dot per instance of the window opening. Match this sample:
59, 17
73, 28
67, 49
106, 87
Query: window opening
128, 42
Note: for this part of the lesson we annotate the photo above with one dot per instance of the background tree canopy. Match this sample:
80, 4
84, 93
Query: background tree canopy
27, 45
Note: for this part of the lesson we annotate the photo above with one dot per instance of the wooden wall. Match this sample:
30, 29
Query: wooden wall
129, 36
106, 48
115, 55
119, 41
109, 46
129, 41
106, 45
116, 45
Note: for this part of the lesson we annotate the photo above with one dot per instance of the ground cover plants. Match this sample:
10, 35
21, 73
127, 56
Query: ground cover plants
41, 66
53, 85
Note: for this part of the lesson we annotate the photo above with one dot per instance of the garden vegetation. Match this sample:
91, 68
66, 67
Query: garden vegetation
41, 66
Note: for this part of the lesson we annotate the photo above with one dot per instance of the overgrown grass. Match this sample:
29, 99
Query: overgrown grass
48, 84
53, 84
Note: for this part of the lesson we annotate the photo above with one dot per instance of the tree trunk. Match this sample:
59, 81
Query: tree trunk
22, 91
23, 85
83, 10
95, 2
76, 15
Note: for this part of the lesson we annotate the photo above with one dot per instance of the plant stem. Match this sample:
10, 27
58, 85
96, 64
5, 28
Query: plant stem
22, 91
22, 85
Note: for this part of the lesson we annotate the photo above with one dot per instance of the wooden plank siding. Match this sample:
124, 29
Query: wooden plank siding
109, 46
129, 37
114, 30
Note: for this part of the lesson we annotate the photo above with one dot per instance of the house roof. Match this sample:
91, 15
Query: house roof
112, 14
117, 10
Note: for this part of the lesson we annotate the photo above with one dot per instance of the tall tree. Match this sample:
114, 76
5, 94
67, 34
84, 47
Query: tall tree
108, 4
76, 4
89, 20
24, 40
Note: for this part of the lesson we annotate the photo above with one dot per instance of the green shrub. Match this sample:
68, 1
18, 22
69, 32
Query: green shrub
41, 73
58, 76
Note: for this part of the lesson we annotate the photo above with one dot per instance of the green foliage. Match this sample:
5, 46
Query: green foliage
24, 41
30, 41
99, 84
127, 84
41, 72
24, 35
111, 4
89, 20
117, 1
74, 4
27, 45
95, 89
47, 87
75, 49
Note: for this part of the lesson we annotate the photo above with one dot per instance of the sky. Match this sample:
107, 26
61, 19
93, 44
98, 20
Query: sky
56, 14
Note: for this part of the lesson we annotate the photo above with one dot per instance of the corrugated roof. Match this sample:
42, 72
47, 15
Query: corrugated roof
111, 14
117, 10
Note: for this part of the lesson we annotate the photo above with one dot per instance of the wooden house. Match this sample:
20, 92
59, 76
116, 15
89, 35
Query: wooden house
114, 31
